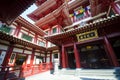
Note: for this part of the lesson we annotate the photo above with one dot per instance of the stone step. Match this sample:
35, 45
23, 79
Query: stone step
109, 74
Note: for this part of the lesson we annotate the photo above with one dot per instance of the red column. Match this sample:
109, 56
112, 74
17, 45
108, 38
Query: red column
77, 57
32, 60
60, 51
51, 57
111, 52
58, 28
50, 32
8, 54
45, 57
32, 57
63, 58
51, 60
17, 30
66, 58
115, 7
35, 38
33, 51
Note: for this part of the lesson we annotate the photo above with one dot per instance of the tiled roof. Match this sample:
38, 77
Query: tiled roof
13, 39
105, 22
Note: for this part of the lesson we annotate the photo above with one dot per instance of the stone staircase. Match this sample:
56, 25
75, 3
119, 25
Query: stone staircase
67, 72
93, 74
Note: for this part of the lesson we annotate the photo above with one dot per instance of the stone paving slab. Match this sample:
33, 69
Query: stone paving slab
48, 76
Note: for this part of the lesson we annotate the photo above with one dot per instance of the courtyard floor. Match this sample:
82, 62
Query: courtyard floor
48, 76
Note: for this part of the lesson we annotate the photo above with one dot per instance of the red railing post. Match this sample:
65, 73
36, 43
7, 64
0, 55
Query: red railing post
6, 72
21, 69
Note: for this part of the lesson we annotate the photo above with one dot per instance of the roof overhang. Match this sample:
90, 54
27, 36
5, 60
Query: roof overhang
30, 26
42, 10
11, 9
77, 3
16, 40
60, 15
58, 39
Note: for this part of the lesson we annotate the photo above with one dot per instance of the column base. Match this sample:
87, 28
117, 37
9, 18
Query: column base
78, 69
63, 69
77, 72
56, 70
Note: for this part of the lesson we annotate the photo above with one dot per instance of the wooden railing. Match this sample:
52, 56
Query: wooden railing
30, 70
9, 72
14, 72
4, 72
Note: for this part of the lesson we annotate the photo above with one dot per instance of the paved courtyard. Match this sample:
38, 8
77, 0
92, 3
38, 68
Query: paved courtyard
48, 76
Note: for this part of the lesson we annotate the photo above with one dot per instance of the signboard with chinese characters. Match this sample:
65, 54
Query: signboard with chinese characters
87, 35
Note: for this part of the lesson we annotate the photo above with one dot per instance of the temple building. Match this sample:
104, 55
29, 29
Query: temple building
69, 37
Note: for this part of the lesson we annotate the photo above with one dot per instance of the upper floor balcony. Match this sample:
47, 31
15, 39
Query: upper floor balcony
60, 16
24, 31
80, 14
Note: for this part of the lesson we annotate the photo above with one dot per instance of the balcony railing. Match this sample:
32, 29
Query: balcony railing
4, 72
15, 72
30, 70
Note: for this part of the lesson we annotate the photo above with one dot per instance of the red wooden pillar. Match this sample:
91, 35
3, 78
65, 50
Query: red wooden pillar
51, 57
17, 30
50, 32
45, 57
60, 51
111, 52
58, 28
63, 58
32, 57
35, 38
8, 54
32, 60
66, 58
46, 43
51, 60
115, 7
77, 57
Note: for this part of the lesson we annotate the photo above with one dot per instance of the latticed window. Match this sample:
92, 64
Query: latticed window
54, 30
27, 37
5, 28
41, 43
55, 55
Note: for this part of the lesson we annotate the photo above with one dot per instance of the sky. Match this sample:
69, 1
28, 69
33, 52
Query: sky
27, 11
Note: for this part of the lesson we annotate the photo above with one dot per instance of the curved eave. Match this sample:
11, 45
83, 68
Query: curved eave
106, 22
39, 2
99, 6
52, 48
30, 26
10, 9
15, 40
61, 12
42, 10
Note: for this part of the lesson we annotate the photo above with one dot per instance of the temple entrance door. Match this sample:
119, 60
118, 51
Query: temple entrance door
16, 61
71, 58
20, 59
115, 42
93, 56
